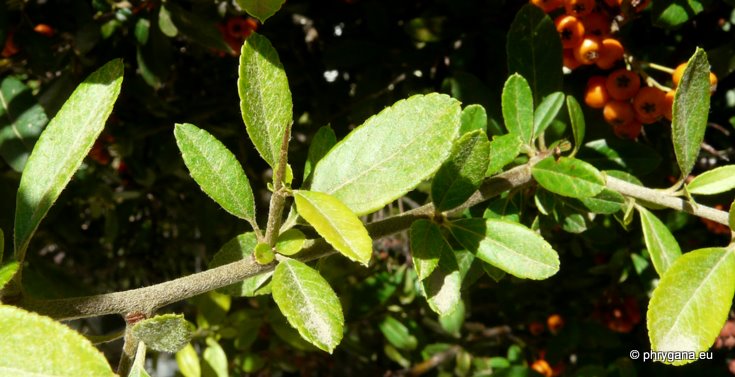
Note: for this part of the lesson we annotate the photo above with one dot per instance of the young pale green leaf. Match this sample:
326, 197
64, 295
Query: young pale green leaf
188, 362
216, 170
261, 9
568, 177
690, 111
546, 112
442, 287
214, 360
534, 50
265, 98
138, 367
239, 248
336, 223
290, 242
517, 105
321, 143
576, 118
309, 303
661, 244
62, 148
21, 121
397, 334
459, 176
715, 181
34, 345
503, 150
164, 333
606, 202
391, 153
427, 246
7, 272
508, 246
691, 302
474, 117
166, 24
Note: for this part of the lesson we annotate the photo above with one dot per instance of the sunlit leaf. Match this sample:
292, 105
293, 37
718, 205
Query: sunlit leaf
261, 9
239, 248
188, 362
568, 177
661, 244
503, 150
290, 242
427, 246
164, 333
473, 118
517, 103
715, 181
214, 360
576, 118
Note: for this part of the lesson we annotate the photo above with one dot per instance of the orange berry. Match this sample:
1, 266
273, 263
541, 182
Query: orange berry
548, 5
579, 8
536, 328
239, 27
610, 52
570, 30
10, 48
597, 24
618, 113
649, 104
542, 367
623, 84
595, 96
668, 104
45, 30
588, 51
628, 131
569, 60
555, 323
679, 72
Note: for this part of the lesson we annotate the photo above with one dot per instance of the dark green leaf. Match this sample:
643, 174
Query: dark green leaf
462, 174
690, 111
142, 29
216, 170
474, 118
239, 248
427, 246
62, 148
576, 118
568, 177
534, 50
321, 143
391, 153
661, 244
309, 303
517, 102
164, 333
195, 27
633, 157
503, 150
21, 122
606, 202
261, 9
265, 98
673, 13
731, 216
691, 302
546, 112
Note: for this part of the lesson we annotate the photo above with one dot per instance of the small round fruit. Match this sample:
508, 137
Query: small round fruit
548, 5
543, 368
536, 328
570, 30
597, 24
588, 51
623, 84
579, 8
649, 104
669, 104
618, 113
595, 96
264, 253
44, 30
628, 131
569, 60
555, 323
610, 52
679, 72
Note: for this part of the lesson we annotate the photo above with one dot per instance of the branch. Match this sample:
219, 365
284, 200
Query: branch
278, 199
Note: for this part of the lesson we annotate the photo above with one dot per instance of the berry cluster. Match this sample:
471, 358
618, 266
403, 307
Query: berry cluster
585, 28
235, 30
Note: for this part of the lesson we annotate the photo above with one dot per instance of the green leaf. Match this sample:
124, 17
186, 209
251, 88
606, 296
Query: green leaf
661, 244
534, 50
61, 149
7, 272
138, 367
427, 246
261, 9
633, 157
473, 118
21, 121
517, 103
142, 30
290, 242
199, 29
715, 181
568, 177
166, 24
2, 244
391, 153
674, 13
239, 248
690, 111
462, 174
34, 345
188, 362
503, 150
321, 143
452, 322
576, 118
215, 360
164, 333
546, 112
691, 302
309, 303
216, 170
442, 287
265, 99
508, 246
336, 223
606, 202
731, 216
397, 334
